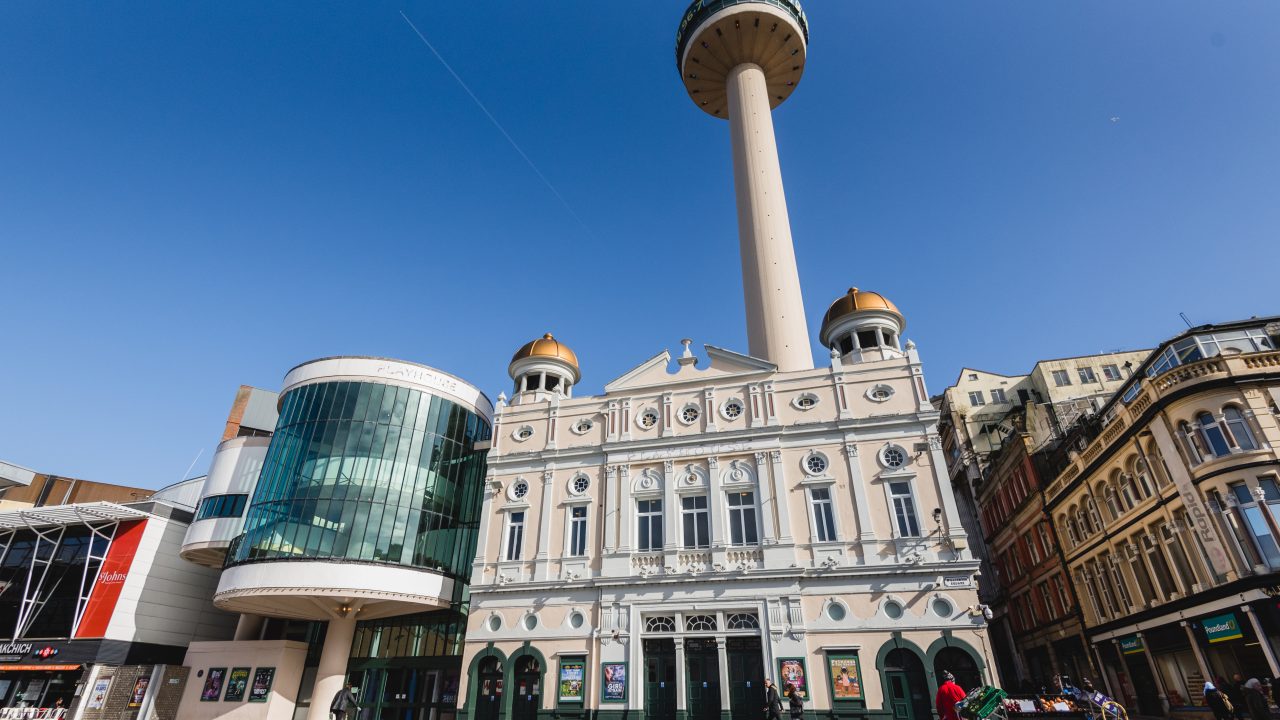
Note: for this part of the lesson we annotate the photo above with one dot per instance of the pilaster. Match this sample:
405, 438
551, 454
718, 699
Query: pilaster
541, 560
866, 531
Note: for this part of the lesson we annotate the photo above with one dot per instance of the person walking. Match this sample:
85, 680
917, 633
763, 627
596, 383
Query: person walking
1235, 693
772, 703
949, 693
1217, 702
795, 703
1255, 701
344, 704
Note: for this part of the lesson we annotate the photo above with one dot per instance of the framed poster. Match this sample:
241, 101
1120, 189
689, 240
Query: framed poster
791, 670
213, 682
98, 696
139, 691
613, 688
846, 678
237, 682
573, 677
262, 679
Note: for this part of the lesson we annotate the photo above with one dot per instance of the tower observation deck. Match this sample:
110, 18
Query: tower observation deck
739, 59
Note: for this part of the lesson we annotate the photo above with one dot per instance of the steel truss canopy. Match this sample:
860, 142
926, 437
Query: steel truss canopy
63, 515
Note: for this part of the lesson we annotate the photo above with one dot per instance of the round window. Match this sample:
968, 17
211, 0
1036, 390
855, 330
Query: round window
520, 490
648, 419
576, 619
530, 622
689, 414
524, 433
733, 409
583, 426
894, 457
893, 610
941, 608
815, 464
580, 484
806, 402
495, 623
835, 611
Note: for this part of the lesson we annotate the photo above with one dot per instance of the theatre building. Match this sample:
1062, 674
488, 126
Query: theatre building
98, 603
1167, 508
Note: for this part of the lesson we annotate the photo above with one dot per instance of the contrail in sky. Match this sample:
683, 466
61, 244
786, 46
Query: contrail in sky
498, 125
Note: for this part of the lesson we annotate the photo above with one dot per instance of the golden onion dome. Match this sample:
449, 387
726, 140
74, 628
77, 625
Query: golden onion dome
546, 347
859, 301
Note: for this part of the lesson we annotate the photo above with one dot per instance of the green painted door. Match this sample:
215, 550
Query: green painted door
659, 680
899, 695
489, 690
527, 693
746, 677
702, 667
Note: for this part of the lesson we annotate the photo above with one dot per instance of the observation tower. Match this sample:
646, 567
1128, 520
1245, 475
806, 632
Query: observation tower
739, 59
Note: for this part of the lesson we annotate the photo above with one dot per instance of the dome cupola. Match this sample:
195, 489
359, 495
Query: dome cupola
544, 365
863, 324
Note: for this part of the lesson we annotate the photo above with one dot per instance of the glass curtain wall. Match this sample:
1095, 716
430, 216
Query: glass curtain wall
369, 472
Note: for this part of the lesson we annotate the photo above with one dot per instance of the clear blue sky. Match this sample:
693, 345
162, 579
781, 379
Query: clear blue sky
195, 195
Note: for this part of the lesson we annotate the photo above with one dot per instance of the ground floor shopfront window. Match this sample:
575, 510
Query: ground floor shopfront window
408, 668
38, 688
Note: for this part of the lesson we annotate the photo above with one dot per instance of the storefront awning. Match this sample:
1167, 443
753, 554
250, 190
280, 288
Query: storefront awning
58, 515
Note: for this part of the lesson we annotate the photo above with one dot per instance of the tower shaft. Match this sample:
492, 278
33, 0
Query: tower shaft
776, 326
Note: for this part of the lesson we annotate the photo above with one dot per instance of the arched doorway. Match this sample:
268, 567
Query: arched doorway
906, 692
960, 663
489, 689
527, 680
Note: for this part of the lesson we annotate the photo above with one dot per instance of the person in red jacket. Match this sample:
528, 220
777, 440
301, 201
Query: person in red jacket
949, 693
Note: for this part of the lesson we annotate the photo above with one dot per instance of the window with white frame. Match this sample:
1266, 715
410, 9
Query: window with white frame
1086, 375
1111, 372
742, 518
1238, 427
904, 509
696, 521
997, 396
976, 399
1214, 439
1060, 589
649, 514
1251, 510
824, 521
515, 535
742, 621
1046, 544
578, 531
1061, 378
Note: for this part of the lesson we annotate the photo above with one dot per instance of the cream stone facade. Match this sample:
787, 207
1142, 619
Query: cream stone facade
1166, 507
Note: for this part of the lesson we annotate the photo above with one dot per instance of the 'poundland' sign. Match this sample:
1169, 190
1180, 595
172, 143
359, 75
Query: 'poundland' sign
1220, 628
1131, 645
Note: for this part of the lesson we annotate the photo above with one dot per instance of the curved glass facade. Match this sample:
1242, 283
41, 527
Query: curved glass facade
368, 472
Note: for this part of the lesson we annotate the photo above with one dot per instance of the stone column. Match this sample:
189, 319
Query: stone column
723, 653
542, 559
611, 507
670, 510
624, 509
769, 496
248, 627
1263, 641
1155, 672
866, 532
682, 674
332, 672
1195, 648
776, 326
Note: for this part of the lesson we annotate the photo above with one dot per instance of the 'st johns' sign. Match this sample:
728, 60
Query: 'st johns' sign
1222, 627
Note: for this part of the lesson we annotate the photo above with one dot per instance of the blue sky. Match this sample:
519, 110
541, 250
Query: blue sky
195, 195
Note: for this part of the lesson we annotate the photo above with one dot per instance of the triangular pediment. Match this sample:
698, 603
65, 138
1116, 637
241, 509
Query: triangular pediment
656, 371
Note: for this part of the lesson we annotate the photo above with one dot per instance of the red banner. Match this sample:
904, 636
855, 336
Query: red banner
110, 580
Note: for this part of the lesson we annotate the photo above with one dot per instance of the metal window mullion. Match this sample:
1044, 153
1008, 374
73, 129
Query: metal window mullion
31, 595
82, 599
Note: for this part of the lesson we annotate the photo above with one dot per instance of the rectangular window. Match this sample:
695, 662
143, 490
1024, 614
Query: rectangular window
904, 509
515, 535
649, 513
1061, 378
824, 521
578, 531
697, 528
975, 398
997, 396
1111, 372
742, 519
1087, 376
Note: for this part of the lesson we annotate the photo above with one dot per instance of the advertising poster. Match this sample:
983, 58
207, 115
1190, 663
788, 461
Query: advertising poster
573, 674
791, 671
98, 696
262, 678
846, 682
614, 688
139, 691
213, 682
1221, 628
237, 683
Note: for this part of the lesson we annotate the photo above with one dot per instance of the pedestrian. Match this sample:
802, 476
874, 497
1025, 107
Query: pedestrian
772, 703
1234, 691
795, 703
1217, 702
949, 693
344, 703
1256, 702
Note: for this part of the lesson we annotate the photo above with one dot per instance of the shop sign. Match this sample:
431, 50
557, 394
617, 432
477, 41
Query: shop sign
15, 648
1221, 628
110, 580
46, 652
955, 581
1131, 645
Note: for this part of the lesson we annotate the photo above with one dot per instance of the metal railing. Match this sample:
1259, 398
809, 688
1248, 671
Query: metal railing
700, 10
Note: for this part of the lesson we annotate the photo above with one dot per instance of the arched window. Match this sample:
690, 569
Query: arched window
1082, 520
1113, 507
1214, 438
1141, 480
1129, 490
1070, 526
1238, 427
1094, 516
1191, 443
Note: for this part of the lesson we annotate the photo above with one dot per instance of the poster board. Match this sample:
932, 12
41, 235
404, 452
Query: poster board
792, 671
139, 691
262, 679
572, 684
98, 696
613, 687
846, 678
213, 682
237, 683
